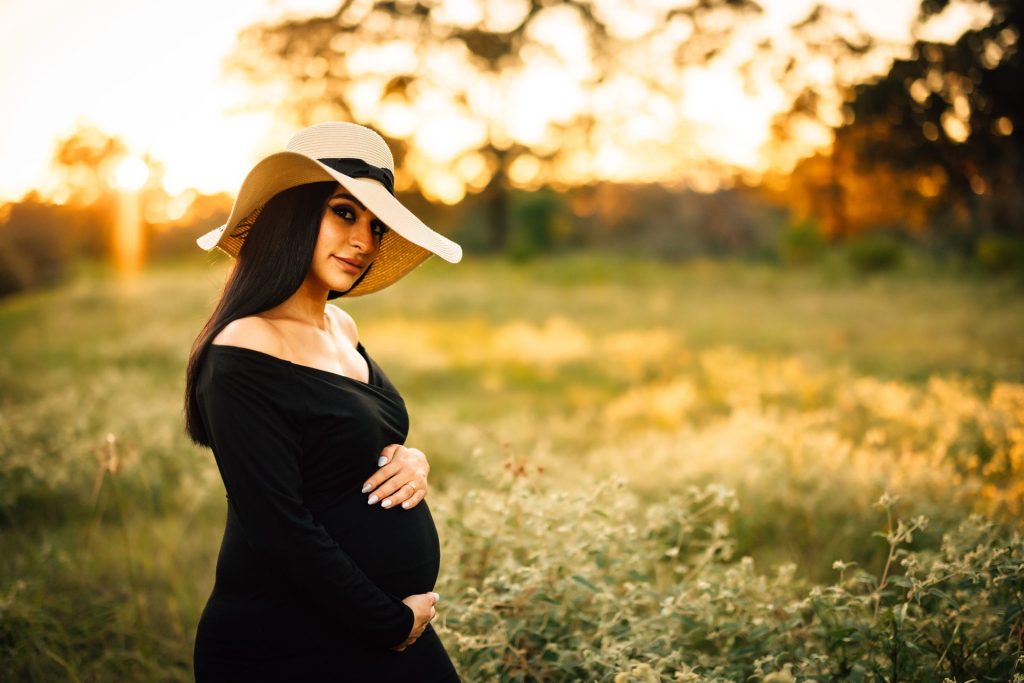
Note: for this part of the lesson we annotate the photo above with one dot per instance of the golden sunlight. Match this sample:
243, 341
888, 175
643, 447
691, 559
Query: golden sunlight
131, 174
128, 245
209, 129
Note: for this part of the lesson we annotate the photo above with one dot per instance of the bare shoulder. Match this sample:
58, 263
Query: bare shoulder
344, 321
253, 333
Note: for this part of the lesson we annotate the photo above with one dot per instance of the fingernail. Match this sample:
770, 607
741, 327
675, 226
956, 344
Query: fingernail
366, 488
405, 505
437, 597
373, 499
381, 461
386, 503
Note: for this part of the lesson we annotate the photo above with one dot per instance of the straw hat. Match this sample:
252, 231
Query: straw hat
359, 159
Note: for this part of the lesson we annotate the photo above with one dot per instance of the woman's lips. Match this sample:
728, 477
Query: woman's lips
347, 266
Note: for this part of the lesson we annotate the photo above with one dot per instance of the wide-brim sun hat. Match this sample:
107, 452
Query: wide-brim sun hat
359, 159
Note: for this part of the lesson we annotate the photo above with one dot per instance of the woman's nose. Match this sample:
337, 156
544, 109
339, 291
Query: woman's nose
362, 234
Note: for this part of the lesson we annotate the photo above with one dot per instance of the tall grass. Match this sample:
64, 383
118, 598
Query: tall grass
640, 471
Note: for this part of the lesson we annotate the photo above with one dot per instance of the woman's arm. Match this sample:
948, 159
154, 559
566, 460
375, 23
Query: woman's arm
257, 448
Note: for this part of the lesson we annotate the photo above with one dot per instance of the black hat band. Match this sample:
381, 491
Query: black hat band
357, 168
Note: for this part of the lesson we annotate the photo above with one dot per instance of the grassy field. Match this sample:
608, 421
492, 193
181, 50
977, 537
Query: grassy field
640, 471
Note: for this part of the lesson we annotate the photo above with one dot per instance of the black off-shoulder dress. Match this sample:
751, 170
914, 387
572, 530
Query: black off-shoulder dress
310, 578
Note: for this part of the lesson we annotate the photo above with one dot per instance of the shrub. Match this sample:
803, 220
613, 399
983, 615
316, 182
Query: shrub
16, 270
601, 586
874, 252
801, 242
1000, 253
535, 219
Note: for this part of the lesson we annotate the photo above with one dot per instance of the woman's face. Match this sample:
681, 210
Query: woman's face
348, 241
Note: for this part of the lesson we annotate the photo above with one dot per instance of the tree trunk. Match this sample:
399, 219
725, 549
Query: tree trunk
496, 198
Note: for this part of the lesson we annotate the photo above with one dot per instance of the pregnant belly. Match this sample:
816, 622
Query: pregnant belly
397, 549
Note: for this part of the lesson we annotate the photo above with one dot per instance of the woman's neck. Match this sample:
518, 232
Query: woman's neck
306, 305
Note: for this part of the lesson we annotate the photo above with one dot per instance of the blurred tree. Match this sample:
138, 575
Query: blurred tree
830, 52
84, 163
955, 120
394, 64
38, 240
937, 142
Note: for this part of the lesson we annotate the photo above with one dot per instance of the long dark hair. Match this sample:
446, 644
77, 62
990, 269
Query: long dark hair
271, 265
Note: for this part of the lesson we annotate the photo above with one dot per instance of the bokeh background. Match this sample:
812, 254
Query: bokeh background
729, 385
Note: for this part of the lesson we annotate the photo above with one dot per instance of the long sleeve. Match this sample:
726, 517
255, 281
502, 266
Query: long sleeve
257, 447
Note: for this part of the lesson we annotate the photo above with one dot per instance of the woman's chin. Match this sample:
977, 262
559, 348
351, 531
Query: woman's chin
340, 281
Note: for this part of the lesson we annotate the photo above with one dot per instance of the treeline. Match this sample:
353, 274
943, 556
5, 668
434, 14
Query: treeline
40, 240
748, 223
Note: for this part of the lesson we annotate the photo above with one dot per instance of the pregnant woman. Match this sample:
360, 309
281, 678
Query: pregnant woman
327, 566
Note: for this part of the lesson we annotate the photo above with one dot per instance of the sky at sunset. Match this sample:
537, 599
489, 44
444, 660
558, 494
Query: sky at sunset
149, 72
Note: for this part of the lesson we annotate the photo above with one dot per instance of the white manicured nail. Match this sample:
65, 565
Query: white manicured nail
381, 461
405, 505
373, 499
366, 488
386, 503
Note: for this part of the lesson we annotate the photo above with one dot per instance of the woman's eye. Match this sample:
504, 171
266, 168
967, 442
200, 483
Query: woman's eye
346, 213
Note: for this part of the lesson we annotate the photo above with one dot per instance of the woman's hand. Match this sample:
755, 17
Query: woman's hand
401, 479
423, 608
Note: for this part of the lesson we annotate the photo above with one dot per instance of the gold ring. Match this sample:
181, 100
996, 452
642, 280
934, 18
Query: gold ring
412, 484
